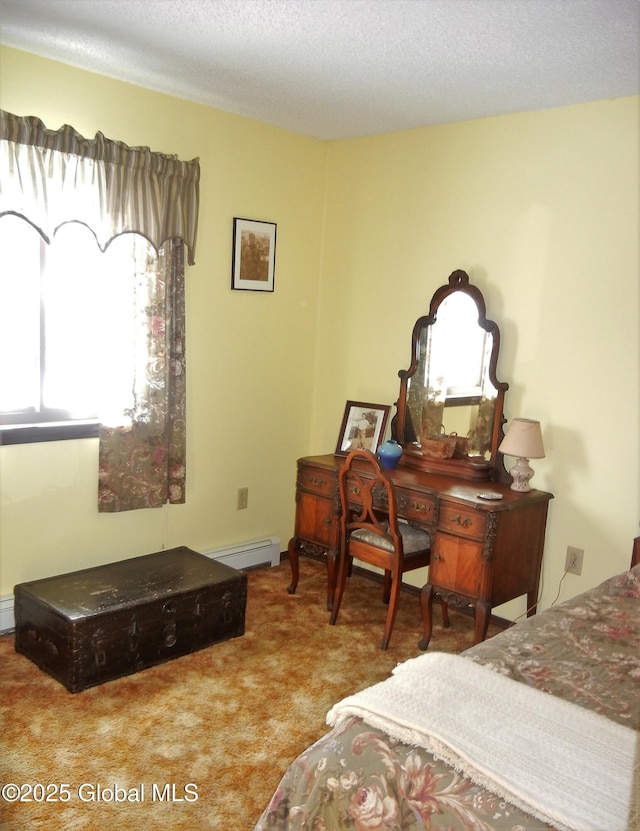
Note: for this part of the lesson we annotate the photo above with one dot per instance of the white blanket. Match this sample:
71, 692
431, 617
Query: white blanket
559, 762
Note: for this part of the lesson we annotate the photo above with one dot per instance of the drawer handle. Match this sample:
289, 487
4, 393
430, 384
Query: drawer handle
355, 490
420, 508
459, 520
316, 481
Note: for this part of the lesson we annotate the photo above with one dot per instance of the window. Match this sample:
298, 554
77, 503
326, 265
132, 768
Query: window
60, 305
87, 337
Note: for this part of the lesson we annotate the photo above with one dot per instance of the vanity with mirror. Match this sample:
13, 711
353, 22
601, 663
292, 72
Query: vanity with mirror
450, 409
487, 540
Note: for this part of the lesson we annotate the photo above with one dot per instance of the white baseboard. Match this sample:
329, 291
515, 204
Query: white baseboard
7, 622
248, 554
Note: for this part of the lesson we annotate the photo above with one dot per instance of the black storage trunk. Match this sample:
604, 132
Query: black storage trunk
101, 623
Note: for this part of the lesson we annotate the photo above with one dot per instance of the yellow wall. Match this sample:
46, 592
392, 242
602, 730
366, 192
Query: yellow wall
541, 209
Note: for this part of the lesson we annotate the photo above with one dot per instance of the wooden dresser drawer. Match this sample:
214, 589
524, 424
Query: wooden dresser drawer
462, 522
416, 507
317, 480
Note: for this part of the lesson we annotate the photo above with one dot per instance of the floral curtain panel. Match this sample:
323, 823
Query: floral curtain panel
143, 448
58, 176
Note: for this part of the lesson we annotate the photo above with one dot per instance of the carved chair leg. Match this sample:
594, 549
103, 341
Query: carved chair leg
343, 567
386, 588
426, 606
396, 585
332, 576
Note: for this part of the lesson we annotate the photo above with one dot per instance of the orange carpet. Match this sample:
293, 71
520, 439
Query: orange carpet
199, 742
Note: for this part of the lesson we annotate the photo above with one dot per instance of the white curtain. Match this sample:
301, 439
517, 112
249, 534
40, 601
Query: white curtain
55, 176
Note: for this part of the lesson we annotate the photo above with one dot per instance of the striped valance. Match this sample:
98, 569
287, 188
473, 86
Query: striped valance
55, 176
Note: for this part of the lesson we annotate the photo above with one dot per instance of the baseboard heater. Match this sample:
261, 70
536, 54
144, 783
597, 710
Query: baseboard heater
7, 622
248, 554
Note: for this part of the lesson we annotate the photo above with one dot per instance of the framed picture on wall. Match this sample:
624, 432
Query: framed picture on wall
254, 255
363, 427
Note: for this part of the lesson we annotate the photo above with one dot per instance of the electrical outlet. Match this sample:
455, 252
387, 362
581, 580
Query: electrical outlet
573, 563
243, 498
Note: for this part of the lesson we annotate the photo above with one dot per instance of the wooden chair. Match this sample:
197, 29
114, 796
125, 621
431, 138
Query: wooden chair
371, 532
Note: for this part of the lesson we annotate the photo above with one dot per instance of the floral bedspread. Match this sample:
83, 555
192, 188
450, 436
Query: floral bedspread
586, 650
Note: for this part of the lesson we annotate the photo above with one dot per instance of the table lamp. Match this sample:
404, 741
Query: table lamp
523, 440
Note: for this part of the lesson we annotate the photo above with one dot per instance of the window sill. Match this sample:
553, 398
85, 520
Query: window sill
56, 431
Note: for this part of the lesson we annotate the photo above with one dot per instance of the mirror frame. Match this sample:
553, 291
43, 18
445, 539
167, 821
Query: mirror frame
470, 467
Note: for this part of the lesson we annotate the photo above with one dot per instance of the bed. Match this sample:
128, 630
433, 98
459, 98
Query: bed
549, 714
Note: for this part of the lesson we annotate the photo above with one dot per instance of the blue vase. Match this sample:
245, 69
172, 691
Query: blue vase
389, 454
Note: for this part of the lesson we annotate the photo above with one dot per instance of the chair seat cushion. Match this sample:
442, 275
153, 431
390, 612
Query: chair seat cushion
413, 539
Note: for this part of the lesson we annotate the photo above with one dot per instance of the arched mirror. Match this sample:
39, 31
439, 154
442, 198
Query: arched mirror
450, 408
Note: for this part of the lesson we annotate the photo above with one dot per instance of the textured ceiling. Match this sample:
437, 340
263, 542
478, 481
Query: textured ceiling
341, 68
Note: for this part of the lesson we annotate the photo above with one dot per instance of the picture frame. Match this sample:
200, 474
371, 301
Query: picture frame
253, 262
363, 426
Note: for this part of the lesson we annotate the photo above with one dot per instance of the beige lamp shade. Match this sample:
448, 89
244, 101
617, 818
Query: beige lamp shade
524, 441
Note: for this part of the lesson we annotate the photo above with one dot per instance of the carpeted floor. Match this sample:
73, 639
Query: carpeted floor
219, 727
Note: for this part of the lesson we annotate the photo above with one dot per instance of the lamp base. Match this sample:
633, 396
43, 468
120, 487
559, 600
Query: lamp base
521, 473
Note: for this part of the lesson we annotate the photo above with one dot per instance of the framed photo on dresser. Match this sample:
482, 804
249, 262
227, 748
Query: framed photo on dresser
363, 427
